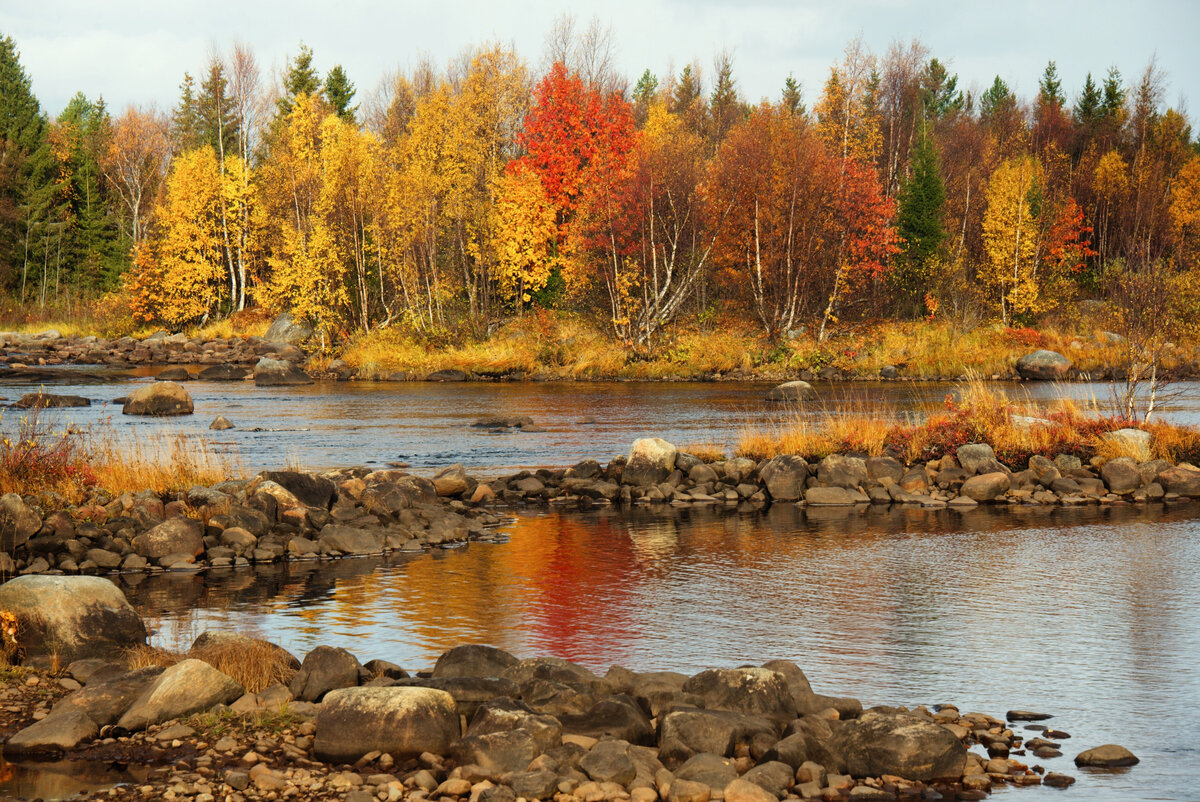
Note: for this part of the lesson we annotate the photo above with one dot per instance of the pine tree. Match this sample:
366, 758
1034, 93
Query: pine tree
1087, 108
1113, 104
339, 92
997, 100
919, 221
792, 97
92, 253
1050, 87
644, 94
185, 118
301, 79
724, 109
214, 110
939, 90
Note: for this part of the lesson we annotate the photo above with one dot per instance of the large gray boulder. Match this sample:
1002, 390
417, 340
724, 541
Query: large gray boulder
270, 372
609, 761
159, 399
1182, 479
189, 686
757, 691
325, 668
67, 618
312, 490
617, 717
784, 477
56, 732
286, 329
1043, 365
177, 535
904, 745
651, 460
792, 392
501, 714
469, 693
686, 732
107, 696
401, 722
473, 660
838, 470
975, 456
18, 522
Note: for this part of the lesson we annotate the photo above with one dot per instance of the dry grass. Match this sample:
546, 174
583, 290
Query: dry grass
706, 452
43, 457
1016, 428
255, 664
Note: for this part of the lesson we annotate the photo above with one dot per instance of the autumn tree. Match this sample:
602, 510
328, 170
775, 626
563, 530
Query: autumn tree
919, 222
524, 235
135, 163
847, 116
1010, 237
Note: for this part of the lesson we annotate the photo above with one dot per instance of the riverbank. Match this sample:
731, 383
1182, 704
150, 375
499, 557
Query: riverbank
561, 348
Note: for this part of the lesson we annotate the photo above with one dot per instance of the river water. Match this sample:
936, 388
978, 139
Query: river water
1092, 615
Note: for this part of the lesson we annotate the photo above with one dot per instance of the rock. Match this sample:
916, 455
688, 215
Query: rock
449, 375
66, 618
896, 743
311, 490
1043, 365
757, 691
986, 487
501, 714
1109, 756
974, 456
834, 497
609, 761
540, 784
881, 468
686, 732
473, 661
220, 423
741, 790
109, 693
889, 372
175, 373
214, 641
160, 399
772, 776
784, 477
810, 738
650, 461
285, 329
401, 722
349, 540
1133, 443
325, 669
1056, 780
792, 391
503, 422
1026, 715
1183, 479
837, 470
18, 522
50, 401
496, 753
270, 372
617, 717
1044, 471
190, 686
468, 692
688, 791
177, 535
1121, 475
222, 373
451, 481
712, 770
56, 732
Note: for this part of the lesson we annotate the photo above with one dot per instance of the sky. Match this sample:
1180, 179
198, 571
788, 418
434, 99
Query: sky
137, 52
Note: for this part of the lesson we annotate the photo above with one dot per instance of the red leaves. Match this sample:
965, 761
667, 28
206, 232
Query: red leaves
867, 216
1068, 243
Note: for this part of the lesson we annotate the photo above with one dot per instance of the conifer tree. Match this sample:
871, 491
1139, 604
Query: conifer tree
301, 79
919, 221
792, 97
339, 91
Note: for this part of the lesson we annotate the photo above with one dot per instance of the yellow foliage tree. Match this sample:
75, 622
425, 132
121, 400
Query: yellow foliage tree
1185, 214
1010, 236
524, 234
178, 277
847, 113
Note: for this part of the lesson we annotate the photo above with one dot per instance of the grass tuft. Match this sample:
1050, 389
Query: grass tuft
255, 664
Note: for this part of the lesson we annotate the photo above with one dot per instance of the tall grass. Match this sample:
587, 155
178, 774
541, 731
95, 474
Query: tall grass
43, 457
1016, 428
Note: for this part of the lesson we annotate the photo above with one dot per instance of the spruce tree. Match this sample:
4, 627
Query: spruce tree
1050, 87
644, 93
724, 109
301, 79
792, 99
339, 92
1087, 108
214, 107
919, 221
186, 127
939, 91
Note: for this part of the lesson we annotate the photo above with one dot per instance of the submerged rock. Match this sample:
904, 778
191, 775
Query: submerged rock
1043, 365
1109, 756
792, 391
50, 401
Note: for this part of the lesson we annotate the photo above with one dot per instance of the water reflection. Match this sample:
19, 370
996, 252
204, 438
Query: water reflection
1090, 614
63, 779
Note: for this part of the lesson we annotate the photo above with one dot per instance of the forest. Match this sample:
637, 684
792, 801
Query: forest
457, 197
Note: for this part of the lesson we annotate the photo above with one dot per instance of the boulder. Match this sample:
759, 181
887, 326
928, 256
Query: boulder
1121, 476
884, 468
650, 461
109, 692
270, 372
838, 470
791, 392
757, 691
609, 761
222, 373
469, 693
160, 399
617, 717
451, 481
1133, 443
1182, 479
311, 490
286, 329
401, 722
1044, 471
66, 618
50, 401
986, 487
900, 744
501, 714
54, 733
715, 771
550, 669
503, 422
811, 738
772, 776
1043, 365
174, 373
834, 497
742, 790
18, 522
177, 535
190, 686
325, 669
1109, 756
220, 424
473, 660
687, 732
784, 477
496, 753
975, 456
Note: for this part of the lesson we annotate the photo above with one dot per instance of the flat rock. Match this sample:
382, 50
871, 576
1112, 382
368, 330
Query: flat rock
401, 722
1109, 756
159, 399
189, 686
791, 391
56, 732
51, 401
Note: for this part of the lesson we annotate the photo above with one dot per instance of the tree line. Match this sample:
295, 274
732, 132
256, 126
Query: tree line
455, 197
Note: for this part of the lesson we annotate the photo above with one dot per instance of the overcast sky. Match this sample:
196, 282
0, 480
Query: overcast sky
137, 52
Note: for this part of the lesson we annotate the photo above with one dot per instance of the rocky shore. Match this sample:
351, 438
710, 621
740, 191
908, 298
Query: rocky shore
480, 725
290, 515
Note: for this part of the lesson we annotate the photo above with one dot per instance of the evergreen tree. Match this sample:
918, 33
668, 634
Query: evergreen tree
724, 108
1050, 87
686, 100
214, 111
644, 93
919, 221
186, 127
26, 171
792, 98
1087, 107
339, 92
939, 91
996, 100
1112, 106
92, 253
301, 79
